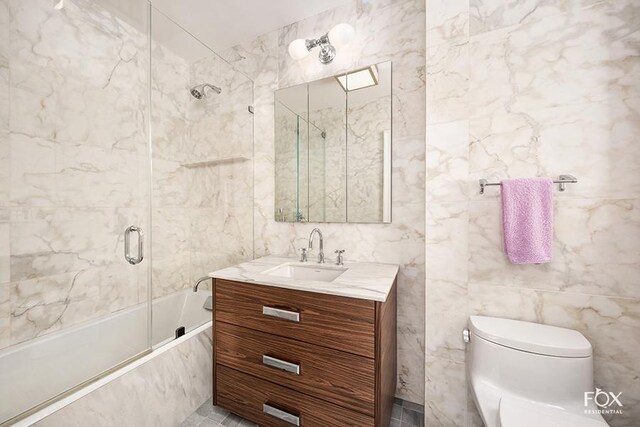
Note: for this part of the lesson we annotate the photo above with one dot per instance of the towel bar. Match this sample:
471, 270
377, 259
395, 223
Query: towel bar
561, 181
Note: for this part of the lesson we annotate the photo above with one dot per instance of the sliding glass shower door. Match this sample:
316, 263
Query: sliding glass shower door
74, 177
92, 93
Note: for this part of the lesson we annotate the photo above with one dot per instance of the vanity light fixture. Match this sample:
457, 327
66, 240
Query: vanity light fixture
359, 79
338, 36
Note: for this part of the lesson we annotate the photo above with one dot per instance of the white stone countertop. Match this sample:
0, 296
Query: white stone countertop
362, 280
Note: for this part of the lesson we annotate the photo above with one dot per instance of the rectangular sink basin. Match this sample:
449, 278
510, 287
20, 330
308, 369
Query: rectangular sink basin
307, 272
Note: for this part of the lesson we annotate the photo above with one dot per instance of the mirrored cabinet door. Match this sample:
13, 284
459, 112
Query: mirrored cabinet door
291, 147
327, 151
369, 144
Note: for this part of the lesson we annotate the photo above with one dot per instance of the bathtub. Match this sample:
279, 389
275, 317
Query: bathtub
45, 367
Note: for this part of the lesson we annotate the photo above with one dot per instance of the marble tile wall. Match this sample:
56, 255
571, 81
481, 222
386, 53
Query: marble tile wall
385, 30
72, 130
5, 179
74, 166
533, 88
202, 216
222, 128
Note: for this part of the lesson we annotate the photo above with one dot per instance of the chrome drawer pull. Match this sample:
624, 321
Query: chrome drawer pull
281, 415
281, 314
281, 364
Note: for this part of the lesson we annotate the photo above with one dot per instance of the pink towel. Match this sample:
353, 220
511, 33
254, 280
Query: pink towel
527, 219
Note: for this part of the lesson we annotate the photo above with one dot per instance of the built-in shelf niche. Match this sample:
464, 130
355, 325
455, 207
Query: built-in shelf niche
214, 162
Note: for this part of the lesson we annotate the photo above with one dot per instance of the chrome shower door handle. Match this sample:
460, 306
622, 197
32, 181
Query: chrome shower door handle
127, 245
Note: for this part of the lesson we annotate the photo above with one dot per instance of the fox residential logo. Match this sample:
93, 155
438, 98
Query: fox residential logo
606, 402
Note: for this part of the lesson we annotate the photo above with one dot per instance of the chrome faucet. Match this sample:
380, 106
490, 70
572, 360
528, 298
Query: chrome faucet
200, 280
321, 248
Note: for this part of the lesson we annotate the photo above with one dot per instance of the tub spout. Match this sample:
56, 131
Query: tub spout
200, 280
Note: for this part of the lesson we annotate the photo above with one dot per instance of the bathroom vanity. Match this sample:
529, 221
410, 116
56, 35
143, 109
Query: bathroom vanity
305, 344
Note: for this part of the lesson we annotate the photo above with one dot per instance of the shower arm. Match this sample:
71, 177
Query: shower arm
216, 89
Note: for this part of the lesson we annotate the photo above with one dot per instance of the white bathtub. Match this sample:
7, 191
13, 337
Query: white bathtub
184, 308
41, 369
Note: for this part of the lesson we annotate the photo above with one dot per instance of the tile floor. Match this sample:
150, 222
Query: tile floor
208, 415
405, 414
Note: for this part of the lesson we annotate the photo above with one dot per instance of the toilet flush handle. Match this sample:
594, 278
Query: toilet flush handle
466, 336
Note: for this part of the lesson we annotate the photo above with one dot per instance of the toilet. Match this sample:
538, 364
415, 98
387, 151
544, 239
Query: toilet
525, 374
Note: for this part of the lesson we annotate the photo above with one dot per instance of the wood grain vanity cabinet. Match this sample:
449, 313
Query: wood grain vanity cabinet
286, 357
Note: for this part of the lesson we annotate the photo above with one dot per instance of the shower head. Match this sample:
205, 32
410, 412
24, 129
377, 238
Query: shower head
198, 91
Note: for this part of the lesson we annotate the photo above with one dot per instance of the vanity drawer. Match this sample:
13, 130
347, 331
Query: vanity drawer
345, 324
342, 378
266, 403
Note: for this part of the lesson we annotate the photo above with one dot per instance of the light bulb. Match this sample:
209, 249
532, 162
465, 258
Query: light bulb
341, 34
298, 49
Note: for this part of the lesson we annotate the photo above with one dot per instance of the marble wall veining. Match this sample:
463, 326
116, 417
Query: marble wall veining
202, 214
533, 88
385, 30
74, 173
224, 130
72, 130
74, 162
5, 179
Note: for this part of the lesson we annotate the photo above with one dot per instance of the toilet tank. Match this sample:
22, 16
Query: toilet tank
539, 362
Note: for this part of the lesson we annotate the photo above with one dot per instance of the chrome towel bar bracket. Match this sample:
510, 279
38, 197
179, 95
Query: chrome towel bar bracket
561, 181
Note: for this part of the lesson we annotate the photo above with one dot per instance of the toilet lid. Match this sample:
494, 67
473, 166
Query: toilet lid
514, 412
531, 337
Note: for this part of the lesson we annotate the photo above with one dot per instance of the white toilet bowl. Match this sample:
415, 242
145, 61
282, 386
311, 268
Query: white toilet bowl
526, 374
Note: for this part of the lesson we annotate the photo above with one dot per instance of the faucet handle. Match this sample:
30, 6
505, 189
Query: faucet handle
303, 254
339, 258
